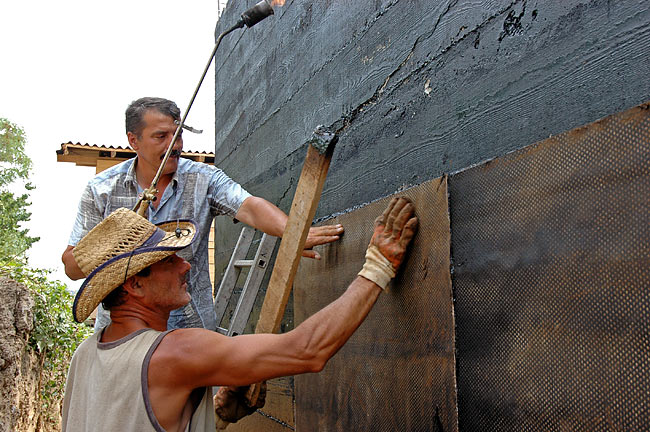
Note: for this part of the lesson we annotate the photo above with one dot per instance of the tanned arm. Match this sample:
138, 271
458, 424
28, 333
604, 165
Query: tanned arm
266, 217
191, 358
71, 268
246, 359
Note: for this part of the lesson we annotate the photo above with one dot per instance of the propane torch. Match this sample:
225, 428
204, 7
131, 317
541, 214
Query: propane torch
249, 18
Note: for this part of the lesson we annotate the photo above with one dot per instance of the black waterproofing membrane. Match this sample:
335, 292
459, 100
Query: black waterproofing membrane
551, 252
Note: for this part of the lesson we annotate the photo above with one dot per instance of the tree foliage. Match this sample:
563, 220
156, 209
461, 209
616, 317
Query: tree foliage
12, 153
15, 166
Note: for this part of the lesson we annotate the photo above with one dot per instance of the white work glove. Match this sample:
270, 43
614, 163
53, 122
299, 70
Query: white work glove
394, 230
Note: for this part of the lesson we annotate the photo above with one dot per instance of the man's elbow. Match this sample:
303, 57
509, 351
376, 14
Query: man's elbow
318, 364
314, 363
313, 356
71, 274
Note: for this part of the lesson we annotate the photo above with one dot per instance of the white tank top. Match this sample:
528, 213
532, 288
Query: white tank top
107, 388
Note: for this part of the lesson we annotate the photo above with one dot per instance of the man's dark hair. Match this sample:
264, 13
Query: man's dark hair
136, 110
117, 297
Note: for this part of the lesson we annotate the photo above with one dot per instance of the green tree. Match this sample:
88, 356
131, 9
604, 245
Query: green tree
15, 166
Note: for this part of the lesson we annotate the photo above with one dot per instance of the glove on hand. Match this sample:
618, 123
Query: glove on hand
394, 230
234, 403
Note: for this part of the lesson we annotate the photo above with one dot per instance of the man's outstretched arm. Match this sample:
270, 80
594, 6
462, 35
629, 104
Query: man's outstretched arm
266, 217
201, 358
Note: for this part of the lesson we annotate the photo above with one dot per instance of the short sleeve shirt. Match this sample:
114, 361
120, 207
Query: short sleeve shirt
197, 191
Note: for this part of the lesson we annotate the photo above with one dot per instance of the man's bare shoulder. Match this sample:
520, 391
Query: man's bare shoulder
181, 343
190, 335
184, 355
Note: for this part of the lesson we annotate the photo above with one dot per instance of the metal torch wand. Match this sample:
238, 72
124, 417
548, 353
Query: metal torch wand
249, 18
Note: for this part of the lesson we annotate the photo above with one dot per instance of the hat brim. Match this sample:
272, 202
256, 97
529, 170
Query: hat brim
114, 272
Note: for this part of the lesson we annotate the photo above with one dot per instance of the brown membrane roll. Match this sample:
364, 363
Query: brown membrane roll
397, 371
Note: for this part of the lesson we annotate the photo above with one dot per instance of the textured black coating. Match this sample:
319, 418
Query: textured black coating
421, 88
551, 282
396, 373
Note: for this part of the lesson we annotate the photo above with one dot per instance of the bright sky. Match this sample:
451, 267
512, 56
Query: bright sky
69, 70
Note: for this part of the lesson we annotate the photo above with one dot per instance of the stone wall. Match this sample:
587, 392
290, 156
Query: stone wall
20, 367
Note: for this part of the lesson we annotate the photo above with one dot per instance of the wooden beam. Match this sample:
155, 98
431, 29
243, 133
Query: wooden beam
77, 159
303, 209
103, 164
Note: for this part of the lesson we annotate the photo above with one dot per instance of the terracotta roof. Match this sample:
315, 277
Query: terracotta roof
89, 154
78, 145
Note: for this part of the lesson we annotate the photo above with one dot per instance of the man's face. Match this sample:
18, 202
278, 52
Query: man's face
153, 141
166, 284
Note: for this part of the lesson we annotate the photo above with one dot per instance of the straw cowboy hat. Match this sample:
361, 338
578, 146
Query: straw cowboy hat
119, 247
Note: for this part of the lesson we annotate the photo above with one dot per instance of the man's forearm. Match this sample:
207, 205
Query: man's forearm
71, 268
266, 217
325, 332
262, 215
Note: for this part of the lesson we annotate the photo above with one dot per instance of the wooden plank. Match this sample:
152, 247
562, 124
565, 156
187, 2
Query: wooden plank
77, 159
103, 164
303, 209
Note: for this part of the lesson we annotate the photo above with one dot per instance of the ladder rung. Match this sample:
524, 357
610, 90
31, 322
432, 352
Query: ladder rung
232, 273
250, 289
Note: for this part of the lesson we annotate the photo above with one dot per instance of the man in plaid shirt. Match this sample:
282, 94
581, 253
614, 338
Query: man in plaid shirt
186, 190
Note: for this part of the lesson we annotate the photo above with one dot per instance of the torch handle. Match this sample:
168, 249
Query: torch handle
150, 193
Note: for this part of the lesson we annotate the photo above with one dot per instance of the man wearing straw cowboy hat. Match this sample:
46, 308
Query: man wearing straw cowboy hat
186, 190
135, 376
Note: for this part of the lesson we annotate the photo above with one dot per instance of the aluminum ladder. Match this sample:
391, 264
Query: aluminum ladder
257, 267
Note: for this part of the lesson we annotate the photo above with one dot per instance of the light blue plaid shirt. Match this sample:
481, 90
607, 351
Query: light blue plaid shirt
197, 191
